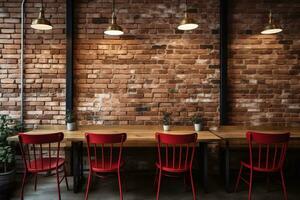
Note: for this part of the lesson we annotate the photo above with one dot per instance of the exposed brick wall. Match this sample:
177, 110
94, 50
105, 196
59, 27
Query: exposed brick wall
44, 62
151, 69
264, 70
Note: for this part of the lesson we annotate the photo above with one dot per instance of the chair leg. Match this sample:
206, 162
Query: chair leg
283, 185
158, 185
250, 184
238, 179
58, 187
88, 185
192, 184
35, 181
124, 181
65, 176
268, 182
120, 185
156, 179
23, 184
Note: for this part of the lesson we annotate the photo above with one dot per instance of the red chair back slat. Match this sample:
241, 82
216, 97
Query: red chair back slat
271, 149
32, 149
110, 146
176, 151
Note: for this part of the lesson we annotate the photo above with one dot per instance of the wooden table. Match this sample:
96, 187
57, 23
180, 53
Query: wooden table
137, 136
237, 133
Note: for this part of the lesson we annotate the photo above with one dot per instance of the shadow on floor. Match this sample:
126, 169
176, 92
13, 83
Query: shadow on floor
140, 187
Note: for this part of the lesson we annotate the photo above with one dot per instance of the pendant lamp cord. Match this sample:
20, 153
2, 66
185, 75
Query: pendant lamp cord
113, 6
270, 17
186, 6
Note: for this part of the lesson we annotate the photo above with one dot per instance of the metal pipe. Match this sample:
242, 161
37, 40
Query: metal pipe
22, 65
223, 61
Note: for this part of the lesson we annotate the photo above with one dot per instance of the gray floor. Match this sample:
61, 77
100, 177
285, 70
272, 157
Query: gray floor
140, 187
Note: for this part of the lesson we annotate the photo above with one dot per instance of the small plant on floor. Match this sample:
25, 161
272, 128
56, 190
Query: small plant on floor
166, 121
70, 120
197, 121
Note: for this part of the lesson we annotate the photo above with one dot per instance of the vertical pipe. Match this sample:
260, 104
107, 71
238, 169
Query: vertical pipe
223, 62
69, 67
22, 66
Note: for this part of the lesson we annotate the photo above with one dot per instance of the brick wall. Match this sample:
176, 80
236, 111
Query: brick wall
153, 68
264, 70
44, 62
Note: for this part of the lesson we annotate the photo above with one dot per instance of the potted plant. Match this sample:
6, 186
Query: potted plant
197, 121
8, 126
70, 120
166, 121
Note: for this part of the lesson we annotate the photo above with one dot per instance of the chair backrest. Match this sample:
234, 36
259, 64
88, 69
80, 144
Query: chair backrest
267, 150
105, 149
35, 148
176, 151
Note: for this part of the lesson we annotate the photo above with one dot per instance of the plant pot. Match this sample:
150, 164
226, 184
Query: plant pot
197, 127
7, 183
166, 127
71, 126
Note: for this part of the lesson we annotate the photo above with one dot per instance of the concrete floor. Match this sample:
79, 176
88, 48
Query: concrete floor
140, 187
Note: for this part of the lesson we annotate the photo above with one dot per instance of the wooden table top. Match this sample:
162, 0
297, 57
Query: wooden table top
137, 135
239, 132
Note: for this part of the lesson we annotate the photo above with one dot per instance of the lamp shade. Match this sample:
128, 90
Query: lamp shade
271, 27
114, 29
187, 23
41, 23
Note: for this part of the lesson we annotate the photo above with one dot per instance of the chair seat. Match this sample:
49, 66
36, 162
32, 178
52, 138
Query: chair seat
262, 168
45, 164
170, 168
98, 167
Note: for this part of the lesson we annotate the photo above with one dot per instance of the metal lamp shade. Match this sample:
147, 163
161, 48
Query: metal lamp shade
187, 24
114, 29
41, 23
271, 29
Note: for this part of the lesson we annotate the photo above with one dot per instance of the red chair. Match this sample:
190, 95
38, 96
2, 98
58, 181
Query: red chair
37, 160
267, 154
106, 160
175, 156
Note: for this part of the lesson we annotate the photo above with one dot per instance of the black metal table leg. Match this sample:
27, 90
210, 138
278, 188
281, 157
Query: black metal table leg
204, 165
77, 166
227, 167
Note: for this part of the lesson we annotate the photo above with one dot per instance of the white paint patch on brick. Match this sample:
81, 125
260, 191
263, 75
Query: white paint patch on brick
253, 81
202, 61
294, 106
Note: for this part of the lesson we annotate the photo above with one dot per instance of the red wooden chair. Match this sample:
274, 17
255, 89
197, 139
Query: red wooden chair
107, 158
175, 156
267, 154
36, 159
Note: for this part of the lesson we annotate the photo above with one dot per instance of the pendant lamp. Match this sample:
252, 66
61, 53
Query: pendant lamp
114, 29
187, 23
41, 23
271, 27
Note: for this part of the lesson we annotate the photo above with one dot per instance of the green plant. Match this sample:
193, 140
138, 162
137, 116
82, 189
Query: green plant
166, 118
196, 119
70, 116
8, 127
